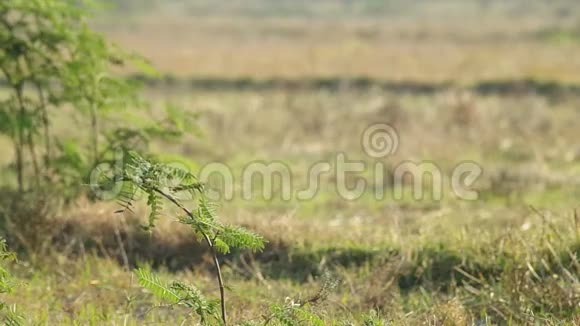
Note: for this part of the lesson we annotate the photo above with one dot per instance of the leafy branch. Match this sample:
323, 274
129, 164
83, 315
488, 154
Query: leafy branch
178, 293
160, 182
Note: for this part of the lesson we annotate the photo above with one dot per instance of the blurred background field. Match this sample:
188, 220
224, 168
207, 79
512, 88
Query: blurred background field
456, 41
494, 82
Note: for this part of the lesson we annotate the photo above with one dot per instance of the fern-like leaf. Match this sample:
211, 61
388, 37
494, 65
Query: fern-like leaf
238, 237
206, 210
155, 203
194, 299
154, 284
221, 246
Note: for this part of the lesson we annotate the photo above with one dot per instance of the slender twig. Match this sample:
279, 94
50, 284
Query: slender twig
95, 132
213, 252
34, 159
46, 126
20, 141
124, 255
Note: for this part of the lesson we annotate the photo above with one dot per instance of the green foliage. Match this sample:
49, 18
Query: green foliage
161, 182
153, 284
191, 297
293, 314
373, 319
182, 294
50, 60
237, 237
154, 201
7, 313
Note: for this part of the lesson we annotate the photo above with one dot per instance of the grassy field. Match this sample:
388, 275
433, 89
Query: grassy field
464, 81
448, 41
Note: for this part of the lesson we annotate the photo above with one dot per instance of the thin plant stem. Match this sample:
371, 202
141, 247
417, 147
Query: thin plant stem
95, 133
46, 127
216, 262
34, 159
20, 142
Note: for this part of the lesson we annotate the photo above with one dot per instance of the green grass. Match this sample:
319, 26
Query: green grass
472, 269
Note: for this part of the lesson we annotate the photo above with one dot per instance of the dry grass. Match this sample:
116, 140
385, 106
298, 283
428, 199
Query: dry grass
435, 51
